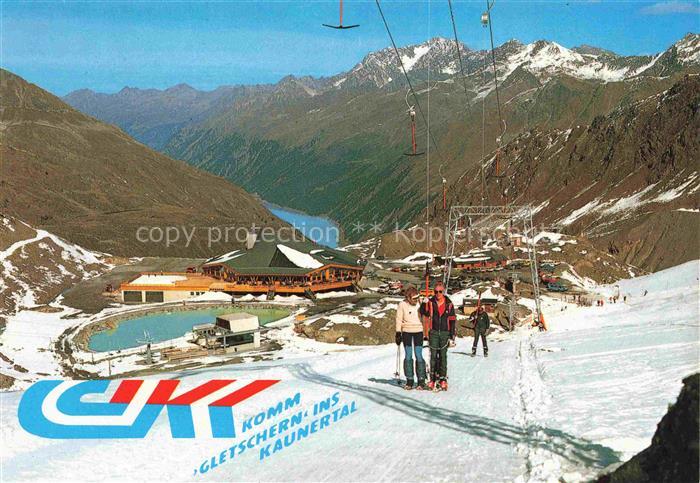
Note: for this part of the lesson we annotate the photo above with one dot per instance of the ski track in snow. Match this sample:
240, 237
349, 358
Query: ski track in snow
566, 403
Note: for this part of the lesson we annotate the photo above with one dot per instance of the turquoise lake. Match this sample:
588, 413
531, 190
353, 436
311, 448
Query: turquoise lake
319, 229
169, 325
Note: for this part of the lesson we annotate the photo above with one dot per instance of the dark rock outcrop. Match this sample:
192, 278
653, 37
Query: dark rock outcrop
673, 454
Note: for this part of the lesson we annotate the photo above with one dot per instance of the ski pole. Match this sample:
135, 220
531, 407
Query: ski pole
397, 375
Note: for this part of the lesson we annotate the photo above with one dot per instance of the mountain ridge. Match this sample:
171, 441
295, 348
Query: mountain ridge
628, 181
690, 40
335, 146
90, 183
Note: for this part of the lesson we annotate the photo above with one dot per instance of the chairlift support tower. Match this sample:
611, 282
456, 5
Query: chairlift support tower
491, 217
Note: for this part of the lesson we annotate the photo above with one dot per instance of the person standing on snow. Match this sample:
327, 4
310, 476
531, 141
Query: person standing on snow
409, 330
441, 322
481, 325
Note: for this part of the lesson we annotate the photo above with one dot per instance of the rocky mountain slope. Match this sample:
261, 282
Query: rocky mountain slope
335, 145
92, 184
35, 267
629, 181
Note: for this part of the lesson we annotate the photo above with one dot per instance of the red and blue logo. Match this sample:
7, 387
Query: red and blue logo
73, 410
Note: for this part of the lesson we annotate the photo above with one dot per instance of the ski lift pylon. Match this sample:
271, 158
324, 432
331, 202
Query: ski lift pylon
340, 25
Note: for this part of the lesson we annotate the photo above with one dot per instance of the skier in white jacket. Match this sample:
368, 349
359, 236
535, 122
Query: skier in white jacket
409, 330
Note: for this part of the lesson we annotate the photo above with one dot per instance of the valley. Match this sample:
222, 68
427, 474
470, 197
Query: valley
335, 145
425, 262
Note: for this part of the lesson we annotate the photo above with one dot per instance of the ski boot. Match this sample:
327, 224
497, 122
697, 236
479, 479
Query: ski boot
486, 353
408, 386
421, 386
473, 352
431, 385
443, 384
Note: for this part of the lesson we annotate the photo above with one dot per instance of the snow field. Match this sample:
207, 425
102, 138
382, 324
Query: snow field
568, 403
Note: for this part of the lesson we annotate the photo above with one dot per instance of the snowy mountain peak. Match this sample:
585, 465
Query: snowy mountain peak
551, 53
442, 43
593, 51
437, 57
545, 59
380, 68
688, 49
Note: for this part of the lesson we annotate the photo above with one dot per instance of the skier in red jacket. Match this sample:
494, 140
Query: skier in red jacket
441, 322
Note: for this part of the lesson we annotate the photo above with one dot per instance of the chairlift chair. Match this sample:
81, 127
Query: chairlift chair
485, 19
340, 25
498, 174
414, 146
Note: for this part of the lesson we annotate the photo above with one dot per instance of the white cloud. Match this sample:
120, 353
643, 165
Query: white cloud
673, 6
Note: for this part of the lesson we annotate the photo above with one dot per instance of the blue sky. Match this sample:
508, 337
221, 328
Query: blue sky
106, 45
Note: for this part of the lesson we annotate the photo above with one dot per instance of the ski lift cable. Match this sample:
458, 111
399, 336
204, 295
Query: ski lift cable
444, 188
489, 6
408, 80
499, 139
427, 142
459, 53
484, 192
466, 92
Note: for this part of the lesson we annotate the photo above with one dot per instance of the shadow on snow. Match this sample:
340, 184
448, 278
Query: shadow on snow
576, 450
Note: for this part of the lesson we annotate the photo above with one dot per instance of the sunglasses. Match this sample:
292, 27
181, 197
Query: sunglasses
439, 291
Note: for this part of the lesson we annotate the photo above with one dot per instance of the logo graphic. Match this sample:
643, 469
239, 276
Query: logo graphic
73, 410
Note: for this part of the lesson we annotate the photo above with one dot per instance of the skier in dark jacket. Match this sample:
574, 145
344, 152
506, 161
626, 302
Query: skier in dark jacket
439, 313
481, 325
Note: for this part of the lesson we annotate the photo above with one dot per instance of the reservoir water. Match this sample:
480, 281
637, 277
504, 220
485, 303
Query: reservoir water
318, 228
169, 325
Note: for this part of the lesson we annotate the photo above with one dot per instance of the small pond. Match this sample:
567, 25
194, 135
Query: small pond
169, 325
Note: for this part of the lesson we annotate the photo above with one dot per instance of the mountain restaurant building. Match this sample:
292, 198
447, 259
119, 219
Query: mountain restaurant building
264, 267
295, 267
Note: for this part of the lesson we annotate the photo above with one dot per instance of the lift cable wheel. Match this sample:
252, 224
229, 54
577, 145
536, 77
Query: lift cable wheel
340, 25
